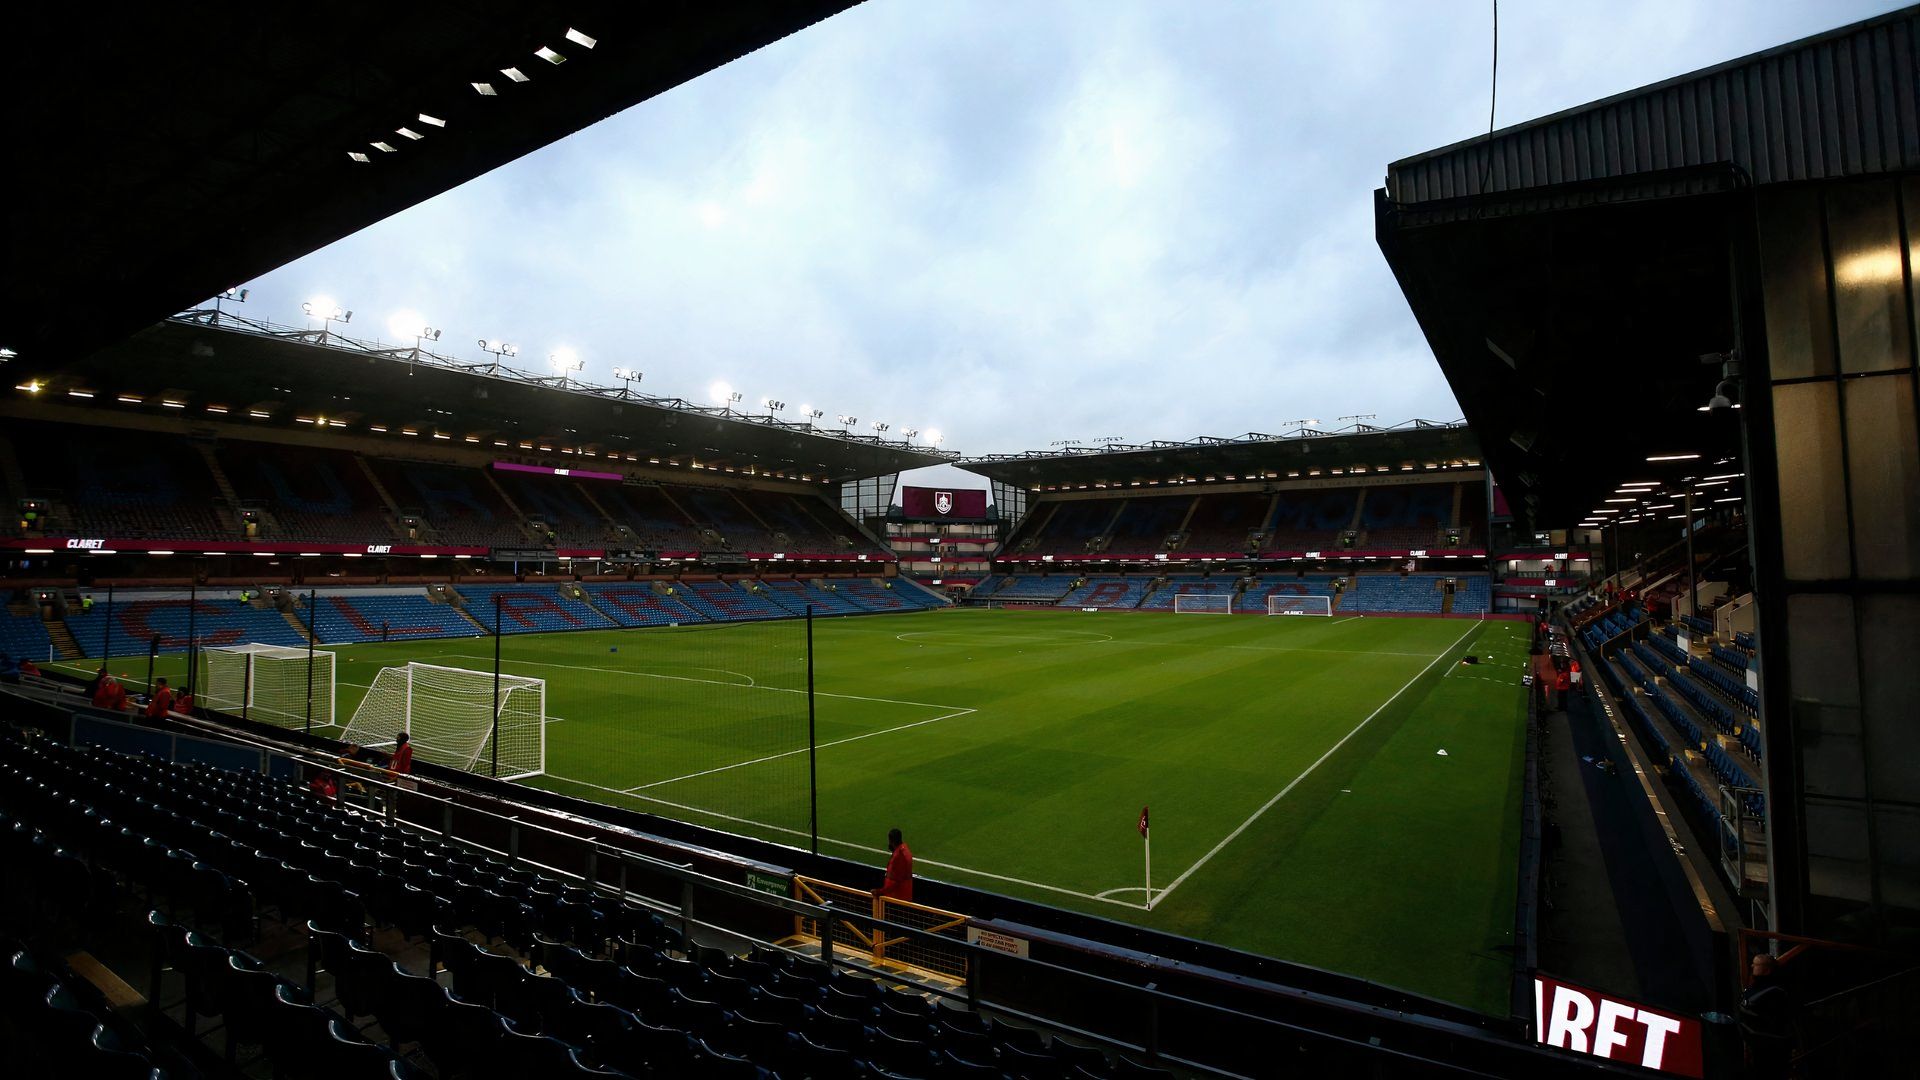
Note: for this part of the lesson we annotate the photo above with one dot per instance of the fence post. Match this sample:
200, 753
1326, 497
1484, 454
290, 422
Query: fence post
813, 756
494, 737
106, 632
311, 594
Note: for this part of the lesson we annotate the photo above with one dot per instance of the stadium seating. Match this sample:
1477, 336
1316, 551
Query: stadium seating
115, 483
874, 595
1407, 517
638, 604
650, 514
1743, 639
1067, 528
1391, 592
606, 989
1254, 599
532, 608
797, 596
387, 614
312, 494
1145, 523
1310, 520
137, 617
1163, 598
718, 510
1732, 658
1698, 625
806, 523
561, 503
24, 637
1222, 522
1035, 587
1108, 592
1733, 686
460, 504
722, 601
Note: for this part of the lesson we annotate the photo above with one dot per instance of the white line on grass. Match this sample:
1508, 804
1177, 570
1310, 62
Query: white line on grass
801, 750
1268, 805
1101, 897
709, 682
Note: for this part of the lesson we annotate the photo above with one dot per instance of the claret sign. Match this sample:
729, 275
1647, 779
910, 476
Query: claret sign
1570, 1017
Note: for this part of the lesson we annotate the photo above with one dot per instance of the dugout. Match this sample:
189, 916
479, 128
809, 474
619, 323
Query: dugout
1603, 287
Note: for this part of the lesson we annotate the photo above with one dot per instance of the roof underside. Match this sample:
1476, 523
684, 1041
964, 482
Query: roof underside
1571, 275
193, 366
1247, 457
169, 153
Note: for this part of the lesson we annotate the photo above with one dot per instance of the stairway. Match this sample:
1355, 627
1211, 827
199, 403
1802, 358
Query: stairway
386, 498
569, 591
299, 627
63, 640
519, 518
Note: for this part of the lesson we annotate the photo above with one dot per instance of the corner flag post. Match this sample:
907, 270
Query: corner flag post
1147, 840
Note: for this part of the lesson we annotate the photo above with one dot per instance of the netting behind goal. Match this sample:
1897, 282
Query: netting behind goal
270, 683
1203, 604
1295, 604
448, 714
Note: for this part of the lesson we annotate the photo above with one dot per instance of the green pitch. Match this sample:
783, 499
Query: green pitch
1301, 805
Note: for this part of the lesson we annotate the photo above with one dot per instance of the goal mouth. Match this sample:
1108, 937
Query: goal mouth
274, 684
1300, 605
460, 718
1203, 603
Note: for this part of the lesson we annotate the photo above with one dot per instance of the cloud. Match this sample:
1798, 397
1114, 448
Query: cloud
1016, 223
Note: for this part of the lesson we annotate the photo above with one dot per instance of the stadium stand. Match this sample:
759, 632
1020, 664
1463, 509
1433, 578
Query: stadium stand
138, 616
356, 615
1070, 528
533, 608
1163, 598
24, 636
1108, 592
796, 596
1407, 517
1391, 592
884, 596
651, 515
1145, 524
108, 482
804, 524
718, 510
1310, 520
559, 503
460, 505
720, 601
1036, 587
1254, 600
1743, 639
310, 494
606, 988
1224, 522
640, 604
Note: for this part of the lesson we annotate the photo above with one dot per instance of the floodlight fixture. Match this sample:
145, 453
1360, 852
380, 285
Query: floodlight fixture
629, 376
328, 312
722, 392
772, 405
500, 350
881, 425
581, 39
432, 121
848, 420
514, 73
564, 359
1673, 457
910, 434
549, 55
934, 437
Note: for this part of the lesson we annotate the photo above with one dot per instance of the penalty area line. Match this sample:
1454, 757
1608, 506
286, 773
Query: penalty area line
1308, 771
1099, 897
801, 750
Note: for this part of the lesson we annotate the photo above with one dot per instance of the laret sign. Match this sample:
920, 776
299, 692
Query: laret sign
1570, 1017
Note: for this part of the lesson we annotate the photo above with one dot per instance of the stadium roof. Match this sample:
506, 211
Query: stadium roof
1580, 356
1421, 444
168, 153
207, 366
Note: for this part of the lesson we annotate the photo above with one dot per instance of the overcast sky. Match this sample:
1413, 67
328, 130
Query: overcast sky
1017, 222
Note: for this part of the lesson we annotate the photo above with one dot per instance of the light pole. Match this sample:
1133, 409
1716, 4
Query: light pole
810, 413
234, 295
848, 421
328, 313
629, 376
565, 362
500, 350
772, 405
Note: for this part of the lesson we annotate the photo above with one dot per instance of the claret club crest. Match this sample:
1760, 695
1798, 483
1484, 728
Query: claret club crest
943, 501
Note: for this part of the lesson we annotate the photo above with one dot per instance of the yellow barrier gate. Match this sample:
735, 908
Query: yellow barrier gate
916, 955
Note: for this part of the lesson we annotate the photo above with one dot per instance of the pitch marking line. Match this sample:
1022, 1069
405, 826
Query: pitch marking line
1101, 897
802, 750
708, 682
1283, 792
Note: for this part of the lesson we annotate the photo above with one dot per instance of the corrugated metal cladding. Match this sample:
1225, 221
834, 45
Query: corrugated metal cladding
1845, 103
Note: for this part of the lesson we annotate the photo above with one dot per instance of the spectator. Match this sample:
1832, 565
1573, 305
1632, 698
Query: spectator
183, 703
161, 702
325, 786
899, 882
28, 667
110, 695
1576, 677
401, 764
93, 684
1766, 1019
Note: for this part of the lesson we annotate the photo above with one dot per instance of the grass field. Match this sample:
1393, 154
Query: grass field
1301, 805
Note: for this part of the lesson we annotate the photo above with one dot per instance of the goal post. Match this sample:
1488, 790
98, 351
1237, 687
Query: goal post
1297, 604
269, 683
1203, 603
448, 715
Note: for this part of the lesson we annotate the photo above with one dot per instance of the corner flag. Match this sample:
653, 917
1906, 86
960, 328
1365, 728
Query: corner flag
1143, 823
1149, 854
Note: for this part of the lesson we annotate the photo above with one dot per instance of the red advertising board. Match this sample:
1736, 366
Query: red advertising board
951, 504
1568, 1016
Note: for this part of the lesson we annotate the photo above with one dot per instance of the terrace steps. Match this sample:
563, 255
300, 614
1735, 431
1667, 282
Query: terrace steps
299, 627
386, 498
527, 531
62, 637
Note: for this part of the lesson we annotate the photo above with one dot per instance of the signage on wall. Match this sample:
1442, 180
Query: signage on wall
1567, 1016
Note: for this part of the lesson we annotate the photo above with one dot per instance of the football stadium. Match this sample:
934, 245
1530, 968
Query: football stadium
380, 710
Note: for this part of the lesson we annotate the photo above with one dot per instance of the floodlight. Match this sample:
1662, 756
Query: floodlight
880, 425
910, 433
514, 73
432, 121
848, 420
934, 437
627, 374
722, 393
549, 55
581, 39
406, 324
565, 359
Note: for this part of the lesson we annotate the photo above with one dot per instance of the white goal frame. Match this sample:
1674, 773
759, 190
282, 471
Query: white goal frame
269, 683
1220, 603
448, 714
1299, 604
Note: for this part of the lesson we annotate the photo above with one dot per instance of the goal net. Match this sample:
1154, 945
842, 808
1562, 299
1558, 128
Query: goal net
1295, 604
1203, 603
448, 713
269, 683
